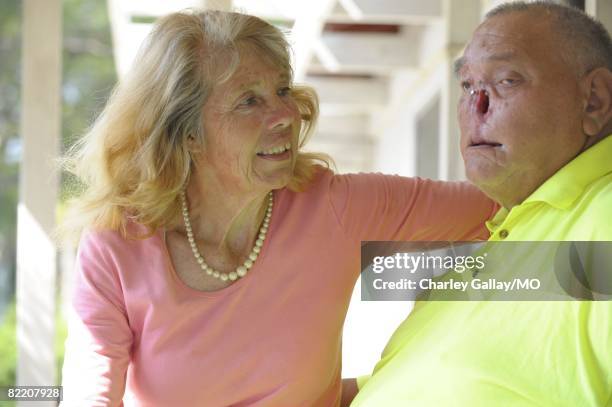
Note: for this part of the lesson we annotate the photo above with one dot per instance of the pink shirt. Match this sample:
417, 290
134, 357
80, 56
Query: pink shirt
272, 338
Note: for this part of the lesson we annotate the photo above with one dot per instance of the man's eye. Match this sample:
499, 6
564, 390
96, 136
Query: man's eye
466, 86
509, 82
285, 91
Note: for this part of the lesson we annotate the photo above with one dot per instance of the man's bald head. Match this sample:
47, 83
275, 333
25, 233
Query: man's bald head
583, 41
537, 92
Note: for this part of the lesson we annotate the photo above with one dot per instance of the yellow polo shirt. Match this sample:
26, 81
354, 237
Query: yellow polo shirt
553, 353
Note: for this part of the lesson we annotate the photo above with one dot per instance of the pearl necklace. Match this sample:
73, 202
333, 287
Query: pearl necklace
240, 271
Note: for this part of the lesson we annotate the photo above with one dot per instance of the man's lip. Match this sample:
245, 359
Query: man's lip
485, 144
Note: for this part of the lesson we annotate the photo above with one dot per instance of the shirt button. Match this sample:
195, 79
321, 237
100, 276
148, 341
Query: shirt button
503, 233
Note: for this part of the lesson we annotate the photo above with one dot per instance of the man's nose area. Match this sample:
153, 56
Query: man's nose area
481, 100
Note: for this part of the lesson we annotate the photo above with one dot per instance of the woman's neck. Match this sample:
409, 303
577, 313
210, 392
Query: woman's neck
225, 218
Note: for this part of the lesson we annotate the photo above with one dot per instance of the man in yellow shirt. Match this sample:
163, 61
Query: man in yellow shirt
536, 119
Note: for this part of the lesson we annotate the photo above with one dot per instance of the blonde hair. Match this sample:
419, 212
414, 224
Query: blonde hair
134, 160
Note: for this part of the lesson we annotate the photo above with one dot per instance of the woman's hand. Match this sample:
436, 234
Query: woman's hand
349, 391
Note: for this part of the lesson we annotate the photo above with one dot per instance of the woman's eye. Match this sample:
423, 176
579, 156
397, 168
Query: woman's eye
250, 101
285, 91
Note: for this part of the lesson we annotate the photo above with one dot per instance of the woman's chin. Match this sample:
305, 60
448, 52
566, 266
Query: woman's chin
278, 182
278, 177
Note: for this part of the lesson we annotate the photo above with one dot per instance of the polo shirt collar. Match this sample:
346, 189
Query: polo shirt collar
497, 220
567, 184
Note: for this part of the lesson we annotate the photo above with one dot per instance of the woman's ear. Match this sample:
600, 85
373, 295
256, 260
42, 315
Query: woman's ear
598, 109
194, 148
193, 145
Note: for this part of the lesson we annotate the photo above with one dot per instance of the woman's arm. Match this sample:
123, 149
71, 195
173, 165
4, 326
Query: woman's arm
388, 207
349, 391
99, 337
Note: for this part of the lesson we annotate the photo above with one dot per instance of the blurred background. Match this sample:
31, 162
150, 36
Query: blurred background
382, 69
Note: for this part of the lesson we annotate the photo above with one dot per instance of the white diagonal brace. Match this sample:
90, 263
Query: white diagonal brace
306, 31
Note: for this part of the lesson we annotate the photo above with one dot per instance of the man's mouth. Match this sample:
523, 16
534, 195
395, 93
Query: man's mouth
476, 140
484, 144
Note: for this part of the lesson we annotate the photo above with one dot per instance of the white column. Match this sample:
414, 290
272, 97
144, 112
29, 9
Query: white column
38, 183
602, 10
461, 18
224, 5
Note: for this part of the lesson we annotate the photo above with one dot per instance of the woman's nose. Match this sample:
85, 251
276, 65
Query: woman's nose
281, 115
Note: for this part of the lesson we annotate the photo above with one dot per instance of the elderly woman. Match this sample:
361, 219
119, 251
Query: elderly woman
218, 258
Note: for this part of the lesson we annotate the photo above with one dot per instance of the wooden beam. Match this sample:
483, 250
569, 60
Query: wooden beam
350, 91
344, 127
425, 8
374, 49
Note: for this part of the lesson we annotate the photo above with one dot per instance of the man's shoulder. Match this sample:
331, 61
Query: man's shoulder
600, 190
597, 197
587, 217
593, 210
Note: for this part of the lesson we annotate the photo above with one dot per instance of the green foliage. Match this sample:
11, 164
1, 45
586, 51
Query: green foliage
61, 331
10, 71
89, 72
8, 347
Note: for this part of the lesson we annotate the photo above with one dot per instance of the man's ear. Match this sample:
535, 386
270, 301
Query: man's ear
598, 109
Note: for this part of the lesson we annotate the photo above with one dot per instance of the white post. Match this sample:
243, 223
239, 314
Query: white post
40, 135
223, 5
461, 19
601, 10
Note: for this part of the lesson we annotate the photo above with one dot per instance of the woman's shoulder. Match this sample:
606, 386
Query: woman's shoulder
329, 188
133, 238
324, 177
362, 185
326, 182
318, 179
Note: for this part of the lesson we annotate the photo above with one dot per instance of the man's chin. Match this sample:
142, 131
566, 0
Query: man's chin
482, 176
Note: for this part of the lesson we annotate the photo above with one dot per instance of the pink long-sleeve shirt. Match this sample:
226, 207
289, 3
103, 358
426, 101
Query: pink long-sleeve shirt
273, 338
